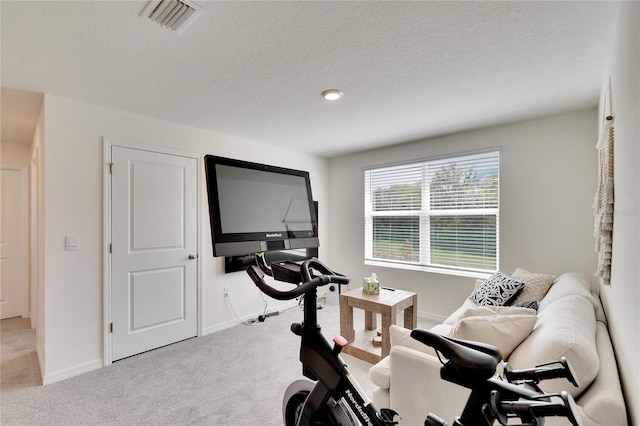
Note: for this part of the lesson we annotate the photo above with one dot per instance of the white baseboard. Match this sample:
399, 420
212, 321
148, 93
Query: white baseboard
221, 326
233, 322
430, 316
40, 361
67, 373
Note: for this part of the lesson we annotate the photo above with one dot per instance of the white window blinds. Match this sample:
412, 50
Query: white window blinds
441, 213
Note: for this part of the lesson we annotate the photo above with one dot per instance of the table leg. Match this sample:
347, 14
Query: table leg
411, 315
370, 320
346, 319
388, 318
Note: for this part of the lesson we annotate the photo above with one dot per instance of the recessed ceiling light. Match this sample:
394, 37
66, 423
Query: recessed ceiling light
332, 94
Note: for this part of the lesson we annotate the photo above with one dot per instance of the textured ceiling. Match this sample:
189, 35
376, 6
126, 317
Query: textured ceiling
255, 70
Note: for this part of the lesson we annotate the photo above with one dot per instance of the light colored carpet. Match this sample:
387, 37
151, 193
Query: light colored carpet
234, 377
19, 362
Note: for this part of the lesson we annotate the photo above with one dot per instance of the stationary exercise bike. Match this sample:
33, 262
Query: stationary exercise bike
333, 397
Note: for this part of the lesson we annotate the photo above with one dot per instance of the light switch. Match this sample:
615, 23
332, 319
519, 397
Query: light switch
72, 242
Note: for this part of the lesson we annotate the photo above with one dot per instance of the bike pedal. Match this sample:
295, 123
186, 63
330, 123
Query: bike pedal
433, 420
388, 416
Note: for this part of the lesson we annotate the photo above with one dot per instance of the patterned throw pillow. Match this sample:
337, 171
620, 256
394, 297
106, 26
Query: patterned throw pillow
498, 290
536, 285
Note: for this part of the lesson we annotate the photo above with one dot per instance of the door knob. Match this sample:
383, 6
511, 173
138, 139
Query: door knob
193, 256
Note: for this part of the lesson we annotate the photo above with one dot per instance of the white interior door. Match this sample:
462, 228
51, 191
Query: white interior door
154, 250
12, 242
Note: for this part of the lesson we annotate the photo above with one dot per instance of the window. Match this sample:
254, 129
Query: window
441, 213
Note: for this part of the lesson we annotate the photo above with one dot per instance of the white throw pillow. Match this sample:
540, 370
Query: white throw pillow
505, 332
536, 285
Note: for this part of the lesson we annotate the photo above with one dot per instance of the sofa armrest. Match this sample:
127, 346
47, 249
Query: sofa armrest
416, 389
379, 373
602, 402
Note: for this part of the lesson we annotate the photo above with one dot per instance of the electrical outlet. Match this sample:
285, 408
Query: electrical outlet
226, 292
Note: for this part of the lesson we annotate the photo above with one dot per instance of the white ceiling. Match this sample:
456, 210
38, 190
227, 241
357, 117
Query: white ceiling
409, 70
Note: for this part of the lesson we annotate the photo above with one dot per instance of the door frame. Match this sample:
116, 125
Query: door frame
108, 143
34, 236
24, 234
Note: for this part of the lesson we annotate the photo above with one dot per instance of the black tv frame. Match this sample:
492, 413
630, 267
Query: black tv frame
247, 243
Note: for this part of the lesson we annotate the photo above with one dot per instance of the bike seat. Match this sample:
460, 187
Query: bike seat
470, 361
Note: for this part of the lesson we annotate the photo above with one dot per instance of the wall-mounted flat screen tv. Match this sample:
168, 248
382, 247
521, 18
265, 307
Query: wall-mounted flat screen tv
258, 208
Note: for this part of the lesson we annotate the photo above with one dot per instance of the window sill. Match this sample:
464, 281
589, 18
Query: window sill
414, 267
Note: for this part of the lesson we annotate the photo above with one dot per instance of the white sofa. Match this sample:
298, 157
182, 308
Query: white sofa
569, 322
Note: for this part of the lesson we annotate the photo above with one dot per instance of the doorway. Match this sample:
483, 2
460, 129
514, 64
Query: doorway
14, 291
151, 291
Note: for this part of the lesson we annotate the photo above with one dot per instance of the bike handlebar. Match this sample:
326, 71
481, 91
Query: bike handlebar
552, 370
310, 282
534, 409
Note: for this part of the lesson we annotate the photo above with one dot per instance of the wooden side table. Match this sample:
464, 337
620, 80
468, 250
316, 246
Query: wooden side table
388, 303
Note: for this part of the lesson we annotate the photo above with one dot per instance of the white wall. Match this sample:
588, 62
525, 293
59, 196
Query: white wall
548, 175
73, 204
622, 298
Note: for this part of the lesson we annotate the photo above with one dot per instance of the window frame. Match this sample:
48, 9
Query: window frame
424, 215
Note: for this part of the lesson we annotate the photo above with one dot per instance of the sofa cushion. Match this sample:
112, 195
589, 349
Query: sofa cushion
400, 336
536, 285
497, 290
573, 283
500, 330
468, 303
567, 327
603, 402
495, 310
441, 329
416, 388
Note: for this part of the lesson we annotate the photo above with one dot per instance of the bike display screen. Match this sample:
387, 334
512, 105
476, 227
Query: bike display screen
258, 208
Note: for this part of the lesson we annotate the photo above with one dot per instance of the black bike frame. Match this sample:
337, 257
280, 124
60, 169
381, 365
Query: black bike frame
477, 402
324, 365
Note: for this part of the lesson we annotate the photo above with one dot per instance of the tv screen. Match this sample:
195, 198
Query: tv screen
258, 208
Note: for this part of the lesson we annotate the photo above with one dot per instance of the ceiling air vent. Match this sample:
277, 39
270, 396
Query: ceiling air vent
176, 15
